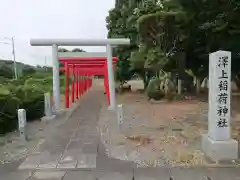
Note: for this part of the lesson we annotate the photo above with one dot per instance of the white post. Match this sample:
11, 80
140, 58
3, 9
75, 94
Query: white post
179, 86
218, 144
47, 103
111, 78
48, 107
120, 114
56, 82
22, 121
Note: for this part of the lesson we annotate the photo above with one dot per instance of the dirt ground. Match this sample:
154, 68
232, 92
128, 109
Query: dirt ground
160, 133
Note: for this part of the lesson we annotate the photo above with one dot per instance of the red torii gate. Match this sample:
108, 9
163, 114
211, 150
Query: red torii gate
78, 85
82, 67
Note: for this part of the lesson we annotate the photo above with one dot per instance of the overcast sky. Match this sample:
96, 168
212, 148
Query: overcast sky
25, 19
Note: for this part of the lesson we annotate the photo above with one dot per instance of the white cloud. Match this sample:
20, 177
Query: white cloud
27, 19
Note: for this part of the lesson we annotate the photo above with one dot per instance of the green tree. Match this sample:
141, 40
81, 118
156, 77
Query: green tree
6, 72
121, 74
62, 50
210, 26
78, 50
118, 27
61, 65
26, 71
163, 35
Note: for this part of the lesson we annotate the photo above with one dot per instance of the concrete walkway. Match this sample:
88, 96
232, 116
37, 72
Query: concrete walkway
71, 150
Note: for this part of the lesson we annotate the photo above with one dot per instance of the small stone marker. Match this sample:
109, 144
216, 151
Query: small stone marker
22, 121
217, 144
120, 114
48, 107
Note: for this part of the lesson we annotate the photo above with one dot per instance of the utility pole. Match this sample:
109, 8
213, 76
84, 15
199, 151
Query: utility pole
45, 64
13, 53
14, 59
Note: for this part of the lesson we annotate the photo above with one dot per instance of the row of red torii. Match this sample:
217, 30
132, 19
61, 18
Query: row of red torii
96, 66
82, 66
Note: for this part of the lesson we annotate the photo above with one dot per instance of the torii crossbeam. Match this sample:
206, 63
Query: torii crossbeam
108, 43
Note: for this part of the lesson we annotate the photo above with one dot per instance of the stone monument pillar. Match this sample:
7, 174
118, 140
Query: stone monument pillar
217, 144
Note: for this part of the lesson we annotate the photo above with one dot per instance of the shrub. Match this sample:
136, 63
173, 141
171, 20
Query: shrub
153, 91
32, 101
34, 107
3, 80
44, 84
28, 71
26, 93
156, 95
23, 97
167, 86
6, 72
8, 114
4, 91
16, 82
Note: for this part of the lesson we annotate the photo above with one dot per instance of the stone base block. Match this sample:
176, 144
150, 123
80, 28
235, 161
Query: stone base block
111, 108
219, 150
59, 112
46, 118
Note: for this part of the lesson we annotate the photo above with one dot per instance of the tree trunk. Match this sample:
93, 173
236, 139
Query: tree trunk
145, 81
179, 86
198, 85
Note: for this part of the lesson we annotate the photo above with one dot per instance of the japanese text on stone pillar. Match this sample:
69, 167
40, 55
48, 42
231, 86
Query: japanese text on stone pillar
222, 96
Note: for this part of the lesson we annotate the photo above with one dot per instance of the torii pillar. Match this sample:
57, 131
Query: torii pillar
80, 42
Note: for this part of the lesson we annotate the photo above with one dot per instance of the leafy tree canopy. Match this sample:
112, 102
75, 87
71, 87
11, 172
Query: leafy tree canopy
168, 34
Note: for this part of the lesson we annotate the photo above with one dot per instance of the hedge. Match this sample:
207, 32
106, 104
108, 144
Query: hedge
22, 97
8, 113
32, 100
26, 93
